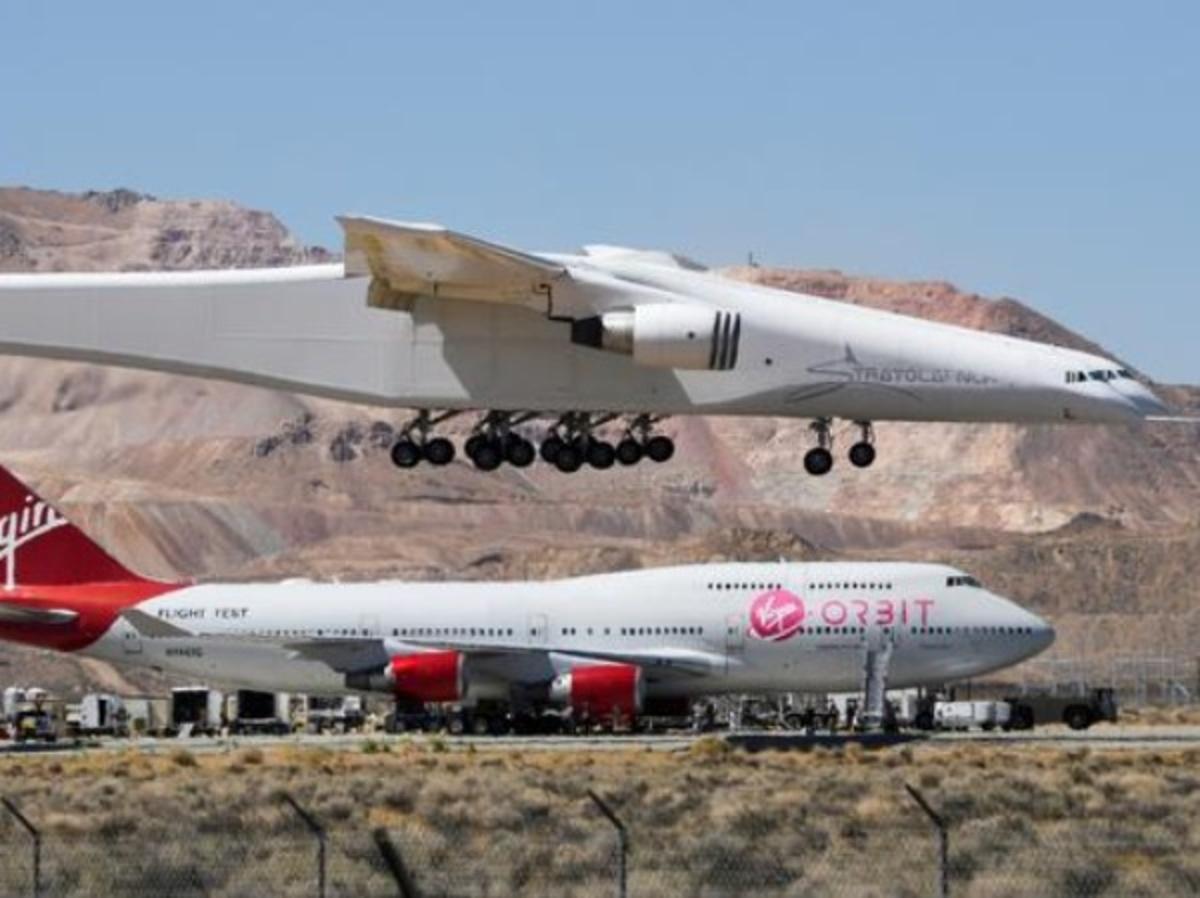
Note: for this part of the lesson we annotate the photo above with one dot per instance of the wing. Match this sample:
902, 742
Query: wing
406, 260
356, 655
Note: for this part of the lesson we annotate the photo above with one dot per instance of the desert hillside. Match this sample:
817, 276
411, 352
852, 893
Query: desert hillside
1096, 526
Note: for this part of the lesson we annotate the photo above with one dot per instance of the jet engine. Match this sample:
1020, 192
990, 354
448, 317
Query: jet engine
601, 691
420, 677
665, 335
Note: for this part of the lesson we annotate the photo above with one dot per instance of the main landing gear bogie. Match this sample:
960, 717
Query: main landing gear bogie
417, 443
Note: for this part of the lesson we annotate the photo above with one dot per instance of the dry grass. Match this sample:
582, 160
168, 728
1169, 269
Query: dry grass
709, 821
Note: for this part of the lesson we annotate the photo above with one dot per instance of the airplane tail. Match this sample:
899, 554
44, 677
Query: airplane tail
39, 547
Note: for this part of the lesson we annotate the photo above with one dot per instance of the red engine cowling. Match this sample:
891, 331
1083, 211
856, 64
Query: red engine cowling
601, 691
428, 676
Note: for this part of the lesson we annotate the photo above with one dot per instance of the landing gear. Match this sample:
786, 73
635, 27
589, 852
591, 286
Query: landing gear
600, 455
571, 442
862, 453
439, 451
629, 451
518, 451
818, 461
660, 448
416, 443
406, 454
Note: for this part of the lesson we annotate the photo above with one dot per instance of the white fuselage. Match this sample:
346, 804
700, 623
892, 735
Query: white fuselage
311, 330
730, 624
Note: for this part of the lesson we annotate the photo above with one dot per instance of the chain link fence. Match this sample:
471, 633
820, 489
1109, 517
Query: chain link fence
589, 847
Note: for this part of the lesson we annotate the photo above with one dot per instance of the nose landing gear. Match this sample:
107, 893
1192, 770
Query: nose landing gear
862, 453
818, 461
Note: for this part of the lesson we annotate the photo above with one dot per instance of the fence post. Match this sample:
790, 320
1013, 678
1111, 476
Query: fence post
622, 842
317, 830
37, 844
395, 864
943, 841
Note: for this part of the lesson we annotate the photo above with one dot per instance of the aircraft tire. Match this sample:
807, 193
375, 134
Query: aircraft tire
601, 455
818, 461
549, 449
439, 451
519, 452
489, 455
471, 446
569, 459
629, 452
862, 455
660, 448
406, 454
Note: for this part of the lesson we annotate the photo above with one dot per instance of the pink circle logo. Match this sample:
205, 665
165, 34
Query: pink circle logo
776, 615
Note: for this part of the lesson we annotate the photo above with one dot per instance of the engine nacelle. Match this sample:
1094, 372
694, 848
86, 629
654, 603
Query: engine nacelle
601, 691
420, 677
665, 335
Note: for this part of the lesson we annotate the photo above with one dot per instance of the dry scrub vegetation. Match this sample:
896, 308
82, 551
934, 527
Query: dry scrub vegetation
1026, 821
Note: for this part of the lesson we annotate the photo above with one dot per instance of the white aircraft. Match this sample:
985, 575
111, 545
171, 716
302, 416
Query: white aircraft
423, 317
604, 646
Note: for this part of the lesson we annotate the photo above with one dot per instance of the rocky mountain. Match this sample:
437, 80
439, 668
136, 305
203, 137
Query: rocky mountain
1097, 526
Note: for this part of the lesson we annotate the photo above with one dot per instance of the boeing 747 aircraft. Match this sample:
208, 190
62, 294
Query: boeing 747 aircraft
606, 646
608, 341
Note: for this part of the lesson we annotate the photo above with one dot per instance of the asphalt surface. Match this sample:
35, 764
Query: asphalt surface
1100, 736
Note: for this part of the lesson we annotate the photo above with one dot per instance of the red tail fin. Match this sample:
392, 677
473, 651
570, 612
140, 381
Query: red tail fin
38, 546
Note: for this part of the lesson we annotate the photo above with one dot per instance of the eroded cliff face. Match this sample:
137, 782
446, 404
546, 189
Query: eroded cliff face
184, 477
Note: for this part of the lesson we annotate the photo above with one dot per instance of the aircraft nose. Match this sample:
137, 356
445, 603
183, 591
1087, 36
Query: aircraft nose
1144, 401
1043, 633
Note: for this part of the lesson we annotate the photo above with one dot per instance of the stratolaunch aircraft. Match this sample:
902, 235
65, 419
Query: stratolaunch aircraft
605, 646
423, 317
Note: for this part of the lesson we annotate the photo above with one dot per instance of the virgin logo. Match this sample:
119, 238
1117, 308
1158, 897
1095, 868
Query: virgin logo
776, 615
20, 527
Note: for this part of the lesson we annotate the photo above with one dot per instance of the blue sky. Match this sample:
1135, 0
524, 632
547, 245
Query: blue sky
1046, 151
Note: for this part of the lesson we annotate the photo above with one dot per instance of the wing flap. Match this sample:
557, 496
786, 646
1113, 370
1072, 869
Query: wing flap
406, 259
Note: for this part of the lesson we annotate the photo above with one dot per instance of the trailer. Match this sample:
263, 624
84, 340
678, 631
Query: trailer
968, 715
99, 714
196, 711
147, 716
335, 713
252, 711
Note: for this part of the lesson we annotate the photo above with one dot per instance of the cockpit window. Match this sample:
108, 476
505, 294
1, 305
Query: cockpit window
1102, 375
962, 580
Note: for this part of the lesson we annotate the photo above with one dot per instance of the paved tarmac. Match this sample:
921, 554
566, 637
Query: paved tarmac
1100, 736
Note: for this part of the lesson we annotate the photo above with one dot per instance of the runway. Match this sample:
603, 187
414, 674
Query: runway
1099, 737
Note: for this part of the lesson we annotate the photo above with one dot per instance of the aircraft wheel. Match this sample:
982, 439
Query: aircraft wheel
489, 455
601, 455
406, 454
519, 452
862, 455
439, 451
549, 449
471, 446
660, 448
629, 452
818, 461
569, 458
